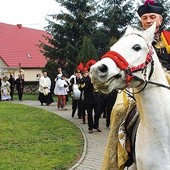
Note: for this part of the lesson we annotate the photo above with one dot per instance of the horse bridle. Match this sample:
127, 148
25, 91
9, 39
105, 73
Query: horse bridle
124, 65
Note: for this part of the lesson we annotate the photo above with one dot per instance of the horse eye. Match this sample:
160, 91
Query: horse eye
136, 47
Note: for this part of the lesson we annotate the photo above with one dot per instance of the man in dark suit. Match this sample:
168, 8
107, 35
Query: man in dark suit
75, 102
12, 85
20, 86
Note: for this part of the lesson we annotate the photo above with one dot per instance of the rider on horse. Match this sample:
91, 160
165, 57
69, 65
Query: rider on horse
149, 13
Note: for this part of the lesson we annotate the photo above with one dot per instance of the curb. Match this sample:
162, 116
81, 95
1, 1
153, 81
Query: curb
84, 150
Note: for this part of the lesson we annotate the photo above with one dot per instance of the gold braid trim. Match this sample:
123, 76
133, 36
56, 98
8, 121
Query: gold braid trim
167, 74
115, 155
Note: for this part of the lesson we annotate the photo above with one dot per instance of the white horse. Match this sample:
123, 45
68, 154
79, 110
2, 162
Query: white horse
133, 63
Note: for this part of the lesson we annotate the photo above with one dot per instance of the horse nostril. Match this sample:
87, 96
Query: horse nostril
103, 68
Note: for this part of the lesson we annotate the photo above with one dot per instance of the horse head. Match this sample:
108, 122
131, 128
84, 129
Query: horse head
127, 64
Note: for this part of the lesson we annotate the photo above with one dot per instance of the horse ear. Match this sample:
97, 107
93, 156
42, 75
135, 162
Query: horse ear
129, 30
149, 33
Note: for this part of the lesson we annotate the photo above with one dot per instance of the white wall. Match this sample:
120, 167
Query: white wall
28, 74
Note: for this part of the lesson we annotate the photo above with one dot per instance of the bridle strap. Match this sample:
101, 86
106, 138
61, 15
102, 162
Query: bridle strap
117, 58
124, 65
121, 63
143, 65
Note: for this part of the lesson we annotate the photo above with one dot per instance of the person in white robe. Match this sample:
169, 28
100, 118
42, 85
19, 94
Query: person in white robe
60, 90
5, 89
45, 95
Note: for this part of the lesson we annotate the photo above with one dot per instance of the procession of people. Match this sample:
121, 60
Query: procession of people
9, 85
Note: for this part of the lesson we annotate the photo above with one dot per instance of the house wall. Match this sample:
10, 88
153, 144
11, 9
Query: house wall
3, 71
2, 64
28, 74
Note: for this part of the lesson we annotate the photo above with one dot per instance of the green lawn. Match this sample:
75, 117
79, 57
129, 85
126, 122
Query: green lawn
27, 97
30, 97
35, 97
34, 139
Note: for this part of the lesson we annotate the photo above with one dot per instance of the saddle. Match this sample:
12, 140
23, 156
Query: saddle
131, 125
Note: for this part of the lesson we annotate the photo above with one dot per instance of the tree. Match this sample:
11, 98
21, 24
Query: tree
68, 31
102, 22
166, 13
87, 51
114, 16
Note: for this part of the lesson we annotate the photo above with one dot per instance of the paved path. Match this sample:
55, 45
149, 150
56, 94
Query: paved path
94, 144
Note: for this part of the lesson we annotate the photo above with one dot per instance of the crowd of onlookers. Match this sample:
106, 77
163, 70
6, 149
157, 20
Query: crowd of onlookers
8, 85
87, 103
91, 105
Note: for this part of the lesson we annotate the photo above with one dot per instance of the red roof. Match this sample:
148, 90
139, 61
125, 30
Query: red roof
19, 45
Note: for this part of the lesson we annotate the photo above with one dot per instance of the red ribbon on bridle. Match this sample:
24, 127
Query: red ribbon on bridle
124, 65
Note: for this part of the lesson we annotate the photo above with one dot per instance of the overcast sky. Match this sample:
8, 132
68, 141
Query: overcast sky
29, 13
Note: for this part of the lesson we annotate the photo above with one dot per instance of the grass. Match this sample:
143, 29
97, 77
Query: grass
27, 97
34, 97
35, 139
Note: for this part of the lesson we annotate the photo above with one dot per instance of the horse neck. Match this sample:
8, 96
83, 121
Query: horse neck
152, 102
